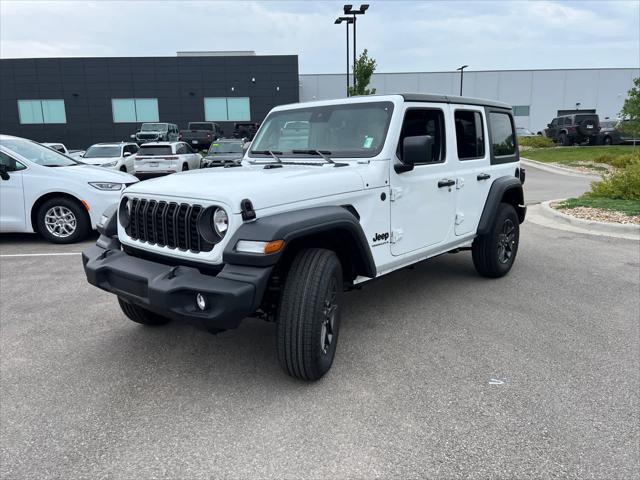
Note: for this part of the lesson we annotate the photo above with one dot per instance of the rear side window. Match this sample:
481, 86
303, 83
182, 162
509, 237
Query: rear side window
423, 121
469, 134
503, 138
155, 150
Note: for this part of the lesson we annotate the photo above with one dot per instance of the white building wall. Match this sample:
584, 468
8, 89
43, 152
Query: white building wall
544, 91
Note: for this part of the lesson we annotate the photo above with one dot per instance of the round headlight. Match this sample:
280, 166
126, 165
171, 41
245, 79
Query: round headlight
220, 221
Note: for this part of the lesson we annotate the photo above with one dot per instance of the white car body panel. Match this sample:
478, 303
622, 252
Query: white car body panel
121, 161
424, 219
169, 163
23, 189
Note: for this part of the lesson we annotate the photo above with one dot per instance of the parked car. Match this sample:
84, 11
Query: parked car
201, 134
118, 156
576, 128
44, 191
283, 237
156, 132
611, 135
223, 152
524, 132
246, 130
162, 158
60, 147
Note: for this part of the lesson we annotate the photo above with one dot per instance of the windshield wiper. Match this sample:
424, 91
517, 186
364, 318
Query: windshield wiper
321, 153
273, 153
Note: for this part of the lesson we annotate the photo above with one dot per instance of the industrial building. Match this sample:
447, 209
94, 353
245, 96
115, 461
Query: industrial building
536, 95
81, 101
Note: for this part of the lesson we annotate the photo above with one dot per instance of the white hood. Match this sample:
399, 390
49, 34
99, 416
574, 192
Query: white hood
264, 187
91, 173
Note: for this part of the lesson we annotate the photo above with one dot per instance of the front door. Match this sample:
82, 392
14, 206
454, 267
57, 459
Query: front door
12, 211
423, 200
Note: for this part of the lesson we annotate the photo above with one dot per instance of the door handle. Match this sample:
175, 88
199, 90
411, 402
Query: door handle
483, 176
446, 183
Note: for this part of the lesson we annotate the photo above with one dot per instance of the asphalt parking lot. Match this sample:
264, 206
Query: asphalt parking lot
439, 374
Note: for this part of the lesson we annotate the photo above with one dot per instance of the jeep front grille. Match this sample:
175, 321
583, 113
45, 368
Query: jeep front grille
167, 224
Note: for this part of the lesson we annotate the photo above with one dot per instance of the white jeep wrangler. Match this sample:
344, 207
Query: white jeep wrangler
330, 195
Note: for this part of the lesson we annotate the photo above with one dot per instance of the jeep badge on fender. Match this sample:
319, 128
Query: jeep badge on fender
186, 248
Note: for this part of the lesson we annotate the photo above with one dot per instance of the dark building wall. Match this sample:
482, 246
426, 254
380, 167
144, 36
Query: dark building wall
180, 84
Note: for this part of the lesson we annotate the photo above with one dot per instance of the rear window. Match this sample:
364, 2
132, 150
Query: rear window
588, 118
155, 150
503, 141
201, 126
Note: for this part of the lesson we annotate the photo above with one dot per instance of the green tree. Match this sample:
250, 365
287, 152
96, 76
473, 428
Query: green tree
362, 71
631, 111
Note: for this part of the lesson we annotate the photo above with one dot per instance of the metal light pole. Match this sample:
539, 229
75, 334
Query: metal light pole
348, 10
348, 20
461, 76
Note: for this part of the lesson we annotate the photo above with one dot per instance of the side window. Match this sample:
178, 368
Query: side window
469, 134
423, 121
188, 148
180, 149
503, 139
10, 163
129, 149
554, 122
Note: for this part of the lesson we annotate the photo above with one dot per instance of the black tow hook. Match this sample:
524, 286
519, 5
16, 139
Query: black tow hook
172, 272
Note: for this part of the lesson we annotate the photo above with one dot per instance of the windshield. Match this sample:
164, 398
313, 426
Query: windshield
37, 153
225, 147
201, 126
155, 150
99, 151
346, 130
153, 127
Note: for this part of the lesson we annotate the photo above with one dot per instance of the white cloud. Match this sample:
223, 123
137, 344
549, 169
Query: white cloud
402, 36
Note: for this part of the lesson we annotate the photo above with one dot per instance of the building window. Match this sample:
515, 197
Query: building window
521, 111
41, 111
133, 110
227, 109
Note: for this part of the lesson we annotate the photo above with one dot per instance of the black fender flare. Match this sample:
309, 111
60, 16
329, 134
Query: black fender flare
512, 188
290, 226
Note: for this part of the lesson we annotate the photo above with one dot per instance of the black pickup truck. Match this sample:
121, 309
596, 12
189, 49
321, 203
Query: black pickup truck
200, 135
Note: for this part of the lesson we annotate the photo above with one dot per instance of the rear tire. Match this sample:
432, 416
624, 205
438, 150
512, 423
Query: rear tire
141, 315
185, 167
606, 141
123, 169
563, 140
494, 253
308, 318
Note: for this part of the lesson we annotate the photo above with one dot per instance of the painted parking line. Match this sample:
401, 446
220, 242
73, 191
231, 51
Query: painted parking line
59, 254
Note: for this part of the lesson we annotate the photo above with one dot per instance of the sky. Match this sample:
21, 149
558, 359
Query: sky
403, 36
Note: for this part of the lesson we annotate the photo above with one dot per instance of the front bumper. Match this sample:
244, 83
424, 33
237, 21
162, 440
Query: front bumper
235, 293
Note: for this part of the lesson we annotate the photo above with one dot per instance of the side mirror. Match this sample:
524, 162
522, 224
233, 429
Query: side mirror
4, 172
548, 124
417, 149
126, 154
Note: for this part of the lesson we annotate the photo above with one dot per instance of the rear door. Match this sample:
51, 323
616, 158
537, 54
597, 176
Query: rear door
473, 176
423, 200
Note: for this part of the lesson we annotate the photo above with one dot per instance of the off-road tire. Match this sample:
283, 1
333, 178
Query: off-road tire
309, 309
83, 224
141, 315
563, 139
486, 250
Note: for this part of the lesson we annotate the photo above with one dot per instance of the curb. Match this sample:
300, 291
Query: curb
592, 225
556, 169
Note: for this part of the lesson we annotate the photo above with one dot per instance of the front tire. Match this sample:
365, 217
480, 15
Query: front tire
185, 167
563, 140
62, 220
607, 140
308, 318
494, 253
141, 315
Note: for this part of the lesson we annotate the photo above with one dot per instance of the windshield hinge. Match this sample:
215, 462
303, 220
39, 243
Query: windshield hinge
396, 235
395, 193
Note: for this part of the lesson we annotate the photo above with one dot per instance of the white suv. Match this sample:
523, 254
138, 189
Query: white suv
118, 156
370, 185
161, 158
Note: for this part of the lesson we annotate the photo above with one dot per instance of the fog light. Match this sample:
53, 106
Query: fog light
201, 302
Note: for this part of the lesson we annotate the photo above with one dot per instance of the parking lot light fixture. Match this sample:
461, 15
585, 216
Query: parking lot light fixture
461, 76
347, 21
348, 10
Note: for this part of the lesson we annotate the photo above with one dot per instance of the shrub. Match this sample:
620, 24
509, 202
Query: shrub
623, 184
535, 142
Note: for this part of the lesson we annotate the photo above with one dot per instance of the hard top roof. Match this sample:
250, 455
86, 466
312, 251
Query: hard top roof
428, 97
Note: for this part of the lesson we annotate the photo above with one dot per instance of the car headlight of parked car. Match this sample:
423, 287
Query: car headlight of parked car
109, 164
108, 186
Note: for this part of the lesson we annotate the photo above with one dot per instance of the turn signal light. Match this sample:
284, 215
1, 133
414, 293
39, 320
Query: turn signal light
261, 248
